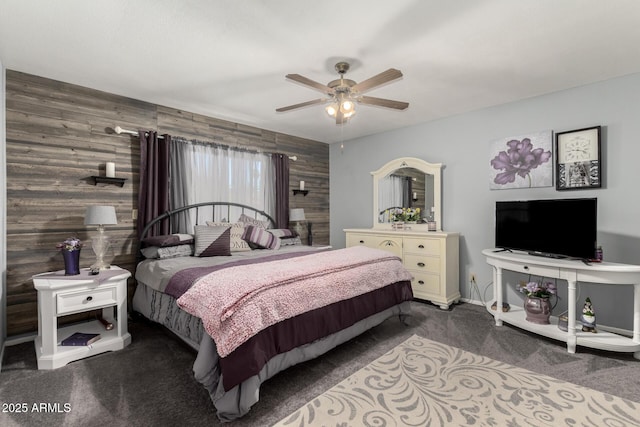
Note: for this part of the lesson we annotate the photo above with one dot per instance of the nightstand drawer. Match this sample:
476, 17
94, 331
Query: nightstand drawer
422, 263
72, 302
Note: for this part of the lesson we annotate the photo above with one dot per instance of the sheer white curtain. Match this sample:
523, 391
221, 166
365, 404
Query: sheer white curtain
203, 172
391, 190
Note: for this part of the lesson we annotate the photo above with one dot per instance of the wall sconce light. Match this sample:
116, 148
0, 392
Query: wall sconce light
100, 216
414, 197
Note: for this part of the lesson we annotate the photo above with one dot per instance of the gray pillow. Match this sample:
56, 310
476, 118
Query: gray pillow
160, 252
212, 240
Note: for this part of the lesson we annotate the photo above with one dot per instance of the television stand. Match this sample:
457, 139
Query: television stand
573, 271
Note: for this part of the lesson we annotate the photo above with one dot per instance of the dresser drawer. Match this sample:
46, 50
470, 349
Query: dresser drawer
422, 245
72, 302
422, 263
425, 283
387, 243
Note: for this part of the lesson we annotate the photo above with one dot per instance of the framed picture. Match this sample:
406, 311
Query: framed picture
578, 159
523, 161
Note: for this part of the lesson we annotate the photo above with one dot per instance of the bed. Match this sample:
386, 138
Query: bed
253, 301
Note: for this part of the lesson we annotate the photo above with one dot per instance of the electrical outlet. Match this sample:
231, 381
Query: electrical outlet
472, 277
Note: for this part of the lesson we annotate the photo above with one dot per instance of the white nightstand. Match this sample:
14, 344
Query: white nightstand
60, 295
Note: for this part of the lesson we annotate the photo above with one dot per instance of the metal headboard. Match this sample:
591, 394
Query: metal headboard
170, 216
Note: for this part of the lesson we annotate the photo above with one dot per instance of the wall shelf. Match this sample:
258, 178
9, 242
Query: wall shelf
303, 192
107, 180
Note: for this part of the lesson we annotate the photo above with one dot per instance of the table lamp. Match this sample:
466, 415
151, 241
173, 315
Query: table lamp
297, 215
100, 216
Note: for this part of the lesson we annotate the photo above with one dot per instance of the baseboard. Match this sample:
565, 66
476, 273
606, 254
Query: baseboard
471, 301
19, 339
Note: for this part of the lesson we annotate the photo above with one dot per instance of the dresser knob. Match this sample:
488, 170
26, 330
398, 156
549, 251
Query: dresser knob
361, 241
421, 246
89, 298
421, 282
421, 264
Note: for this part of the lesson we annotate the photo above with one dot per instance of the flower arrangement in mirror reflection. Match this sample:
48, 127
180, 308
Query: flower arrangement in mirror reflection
405, 214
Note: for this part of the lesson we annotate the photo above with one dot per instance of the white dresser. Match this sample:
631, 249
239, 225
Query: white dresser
431, 257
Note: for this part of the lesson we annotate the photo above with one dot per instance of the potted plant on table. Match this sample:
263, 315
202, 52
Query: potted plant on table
537, 305
70, 249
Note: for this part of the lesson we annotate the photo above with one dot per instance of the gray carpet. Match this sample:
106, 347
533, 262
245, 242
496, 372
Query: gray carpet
149, 383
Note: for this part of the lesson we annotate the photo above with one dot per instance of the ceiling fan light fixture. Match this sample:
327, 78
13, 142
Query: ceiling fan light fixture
343, 94
347, 106
332, 109
349, 114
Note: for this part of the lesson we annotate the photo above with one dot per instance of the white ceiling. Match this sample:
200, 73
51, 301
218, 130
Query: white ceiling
227, 58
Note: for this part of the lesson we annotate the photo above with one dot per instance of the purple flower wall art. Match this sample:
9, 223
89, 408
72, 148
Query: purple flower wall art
521, 162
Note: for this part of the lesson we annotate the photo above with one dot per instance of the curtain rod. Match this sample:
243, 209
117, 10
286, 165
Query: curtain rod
119, 131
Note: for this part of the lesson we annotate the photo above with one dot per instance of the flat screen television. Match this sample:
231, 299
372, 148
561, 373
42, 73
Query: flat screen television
557, 228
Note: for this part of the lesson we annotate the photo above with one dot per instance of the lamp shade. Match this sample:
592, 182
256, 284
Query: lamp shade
296, 214
100, 215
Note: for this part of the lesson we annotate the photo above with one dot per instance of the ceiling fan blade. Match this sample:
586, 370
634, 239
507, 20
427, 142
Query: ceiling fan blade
380, 102
377, 80
302, 104
311, 83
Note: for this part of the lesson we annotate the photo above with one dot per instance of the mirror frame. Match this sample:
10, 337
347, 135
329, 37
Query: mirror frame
434, 169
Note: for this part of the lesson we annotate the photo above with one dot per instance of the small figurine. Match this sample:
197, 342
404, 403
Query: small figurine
588, 318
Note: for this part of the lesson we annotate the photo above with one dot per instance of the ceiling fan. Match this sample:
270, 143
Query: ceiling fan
344, 93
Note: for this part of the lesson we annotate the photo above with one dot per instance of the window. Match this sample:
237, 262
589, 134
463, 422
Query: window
202, 172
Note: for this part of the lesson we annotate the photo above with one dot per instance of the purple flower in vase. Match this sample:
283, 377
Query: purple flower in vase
71, 244
540, 290
519, 159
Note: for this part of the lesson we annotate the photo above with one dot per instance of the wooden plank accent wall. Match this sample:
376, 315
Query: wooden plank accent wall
60, 134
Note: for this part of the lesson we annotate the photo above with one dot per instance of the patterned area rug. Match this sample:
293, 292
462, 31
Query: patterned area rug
425, 383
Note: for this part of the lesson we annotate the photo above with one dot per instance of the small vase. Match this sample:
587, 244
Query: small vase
538, 310
71, 262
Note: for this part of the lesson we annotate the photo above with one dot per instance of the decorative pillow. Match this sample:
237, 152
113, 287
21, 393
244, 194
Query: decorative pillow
282, 232
261, 238
168, 240
247, 220
160, 252
212, 241
290, 241
237, 229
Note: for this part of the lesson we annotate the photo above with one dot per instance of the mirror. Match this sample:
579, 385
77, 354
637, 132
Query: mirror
407, 183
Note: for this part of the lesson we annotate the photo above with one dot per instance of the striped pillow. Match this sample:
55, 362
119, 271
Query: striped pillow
237, 229
261, 238
212, 241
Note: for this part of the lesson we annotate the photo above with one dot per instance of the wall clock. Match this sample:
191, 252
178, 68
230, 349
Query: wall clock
578, 159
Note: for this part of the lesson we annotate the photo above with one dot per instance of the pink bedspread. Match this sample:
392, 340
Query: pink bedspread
238, 302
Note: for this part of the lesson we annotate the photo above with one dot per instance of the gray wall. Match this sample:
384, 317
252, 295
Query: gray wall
3, 216
461, 143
